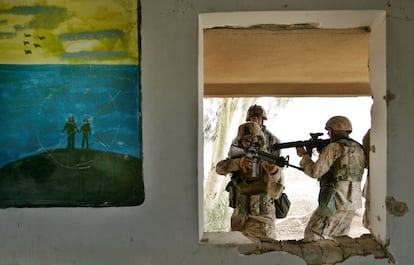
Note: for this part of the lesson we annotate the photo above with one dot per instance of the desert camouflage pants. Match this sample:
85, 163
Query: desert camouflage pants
320, 227
259, 227
254, 227
366, 217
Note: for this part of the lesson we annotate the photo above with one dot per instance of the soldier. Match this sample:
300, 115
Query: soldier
339, 169
257, 114
367, 191
71, 129
86, 132
251, 195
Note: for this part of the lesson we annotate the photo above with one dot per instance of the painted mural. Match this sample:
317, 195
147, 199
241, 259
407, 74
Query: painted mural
70, 104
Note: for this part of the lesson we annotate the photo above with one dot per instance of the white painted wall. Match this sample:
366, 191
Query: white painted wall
164, 230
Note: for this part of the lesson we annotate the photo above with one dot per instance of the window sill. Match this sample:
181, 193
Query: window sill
316, 252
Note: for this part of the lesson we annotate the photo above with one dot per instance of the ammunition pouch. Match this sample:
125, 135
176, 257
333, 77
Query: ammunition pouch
232, 195
254, 204
282, 205
326, 199
260, 204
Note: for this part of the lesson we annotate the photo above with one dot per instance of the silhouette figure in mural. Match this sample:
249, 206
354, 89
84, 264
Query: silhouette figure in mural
71, 129
86, 132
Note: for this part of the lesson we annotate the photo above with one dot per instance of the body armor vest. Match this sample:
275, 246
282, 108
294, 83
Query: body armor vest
349, 166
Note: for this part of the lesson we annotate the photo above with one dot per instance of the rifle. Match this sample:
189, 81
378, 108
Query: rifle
314, 142
255, 154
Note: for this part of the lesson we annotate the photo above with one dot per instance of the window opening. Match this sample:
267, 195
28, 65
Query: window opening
374, 22
287, 120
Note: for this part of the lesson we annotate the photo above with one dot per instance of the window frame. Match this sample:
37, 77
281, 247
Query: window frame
376, 21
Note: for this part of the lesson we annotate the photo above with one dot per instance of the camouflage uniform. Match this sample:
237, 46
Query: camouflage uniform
252, 197
269, 138
344, 161
367, 191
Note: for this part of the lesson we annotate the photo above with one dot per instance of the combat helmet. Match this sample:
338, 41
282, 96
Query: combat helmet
250, 128
256, 111
340, 123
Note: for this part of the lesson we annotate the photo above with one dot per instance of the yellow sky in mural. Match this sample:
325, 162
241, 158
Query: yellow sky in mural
68, 31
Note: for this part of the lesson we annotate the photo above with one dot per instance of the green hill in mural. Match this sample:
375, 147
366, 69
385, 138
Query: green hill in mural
72, 178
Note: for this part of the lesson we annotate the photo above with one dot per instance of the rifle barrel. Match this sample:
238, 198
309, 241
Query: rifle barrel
309, 143
289, 144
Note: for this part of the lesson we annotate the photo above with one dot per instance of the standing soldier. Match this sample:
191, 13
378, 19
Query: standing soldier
71, 129
86, 132
367, 191
252, 194
339, 169
257, 114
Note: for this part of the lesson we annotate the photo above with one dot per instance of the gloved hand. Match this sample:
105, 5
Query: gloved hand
300, 151
245, 163
270, 168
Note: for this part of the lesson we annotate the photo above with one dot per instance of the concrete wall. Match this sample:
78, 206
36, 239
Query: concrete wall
164, 230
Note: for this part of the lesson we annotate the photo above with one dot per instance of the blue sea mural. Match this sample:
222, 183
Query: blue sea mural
39, 99
70, 105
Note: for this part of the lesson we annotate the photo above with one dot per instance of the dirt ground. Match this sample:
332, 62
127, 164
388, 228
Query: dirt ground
303, 194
